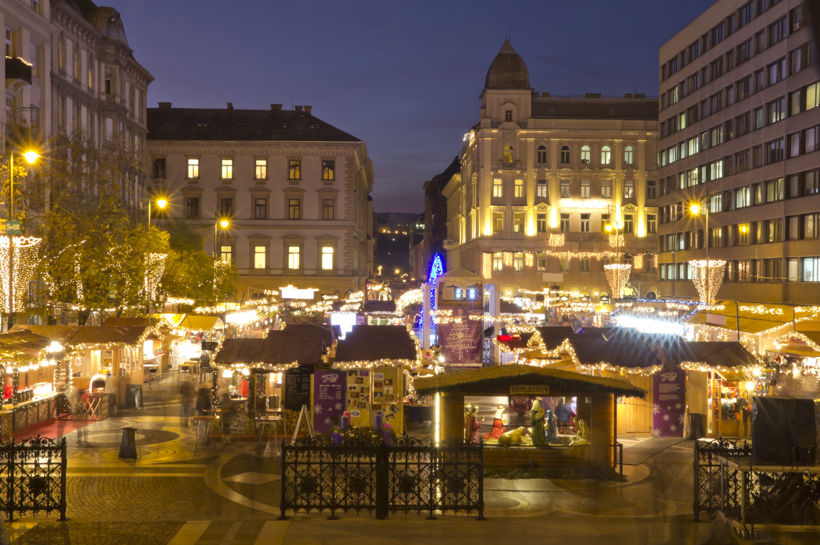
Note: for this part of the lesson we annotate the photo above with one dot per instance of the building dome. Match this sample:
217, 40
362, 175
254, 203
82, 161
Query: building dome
107, 21
508, 70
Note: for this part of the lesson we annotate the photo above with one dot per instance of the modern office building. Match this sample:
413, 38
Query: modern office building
739, 134
542, 177
295, 190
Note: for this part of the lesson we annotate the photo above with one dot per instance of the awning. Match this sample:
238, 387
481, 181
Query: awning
201, 323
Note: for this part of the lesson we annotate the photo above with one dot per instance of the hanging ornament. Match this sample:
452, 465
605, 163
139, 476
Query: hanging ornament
714, 274
617, 275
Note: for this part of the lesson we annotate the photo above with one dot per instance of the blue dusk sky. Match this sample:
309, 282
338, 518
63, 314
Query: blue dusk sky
403, 76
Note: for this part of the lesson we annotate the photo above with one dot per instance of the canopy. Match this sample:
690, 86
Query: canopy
201, 323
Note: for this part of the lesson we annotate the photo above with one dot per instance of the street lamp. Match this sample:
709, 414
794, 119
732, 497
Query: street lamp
695, 209
221, 223
161, 203
31, 157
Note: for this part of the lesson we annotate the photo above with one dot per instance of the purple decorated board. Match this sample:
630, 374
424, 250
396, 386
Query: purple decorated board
328, 399
669, 402
461, 342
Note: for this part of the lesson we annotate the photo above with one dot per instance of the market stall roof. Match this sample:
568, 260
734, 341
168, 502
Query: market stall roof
126, 321
499, 378
194, 322
376, 342
22, 344
310, 332
104, 334
273, 350
59, 333
461, 275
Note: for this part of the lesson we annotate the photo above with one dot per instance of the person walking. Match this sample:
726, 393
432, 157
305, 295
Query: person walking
203, 408
186, 389
227, 414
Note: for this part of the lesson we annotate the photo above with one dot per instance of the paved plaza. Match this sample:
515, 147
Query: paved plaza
228, 493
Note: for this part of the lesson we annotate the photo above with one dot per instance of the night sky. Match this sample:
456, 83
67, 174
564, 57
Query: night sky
403, 76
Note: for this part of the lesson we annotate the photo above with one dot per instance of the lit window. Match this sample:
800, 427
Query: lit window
472, 293
541, 155
508, 154
260, 255
585, 155
226, 253
294, 169
328, 169
498, 222
519, 189
294, 257
585, 189
606, 189
565, 223
606, 155
327, 258
518, 261
518, 222
651, 223
628, 156
604, 222
564, 188
629, 189
261, 169
458, 293
294, 209
193, 169
541, 189
227, 169
498, 261
498, 188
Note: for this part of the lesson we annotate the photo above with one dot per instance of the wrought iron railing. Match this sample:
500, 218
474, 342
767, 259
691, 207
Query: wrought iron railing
707, 474
33, 477
359, 475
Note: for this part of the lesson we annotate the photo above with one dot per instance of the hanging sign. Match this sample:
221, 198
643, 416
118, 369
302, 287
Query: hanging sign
529, 389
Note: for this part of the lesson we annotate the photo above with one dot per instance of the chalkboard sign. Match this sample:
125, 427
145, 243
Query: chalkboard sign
297, 388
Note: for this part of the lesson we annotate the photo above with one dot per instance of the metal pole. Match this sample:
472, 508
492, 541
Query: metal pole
10, 320
148, 291
708, 272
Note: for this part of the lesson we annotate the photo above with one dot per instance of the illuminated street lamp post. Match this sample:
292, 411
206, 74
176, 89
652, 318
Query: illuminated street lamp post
222, 223
161, 204
695, 210
30, 157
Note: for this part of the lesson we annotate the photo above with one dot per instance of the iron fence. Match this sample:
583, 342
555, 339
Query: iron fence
708, 478
33, 476
361, 475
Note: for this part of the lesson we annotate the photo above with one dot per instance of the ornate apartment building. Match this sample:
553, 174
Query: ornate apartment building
740, 133
541, 177
295, 190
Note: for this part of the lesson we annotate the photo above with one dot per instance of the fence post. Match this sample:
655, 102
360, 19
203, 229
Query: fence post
696, 473
10, 498
63, 478
433, 475
381, 482
283, 506
480, 447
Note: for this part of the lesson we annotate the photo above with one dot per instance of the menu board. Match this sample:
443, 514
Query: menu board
297, 388
669, 402
388, 392
358, 397
328, 399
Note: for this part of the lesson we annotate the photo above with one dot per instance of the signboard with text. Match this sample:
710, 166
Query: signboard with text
460, 340
328, 399
669, 402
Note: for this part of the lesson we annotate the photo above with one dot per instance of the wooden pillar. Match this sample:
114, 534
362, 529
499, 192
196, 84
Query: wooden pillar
601, 427
452, 415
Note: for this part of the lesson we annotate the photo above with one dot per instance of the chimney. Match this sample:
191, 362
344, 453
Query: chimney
276, 107
308, 109
164, 105
230, 105
297, 108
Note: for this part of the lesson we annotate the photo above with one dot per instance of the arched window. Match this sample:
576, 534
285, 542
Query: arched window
564, 155
585, 156
508, 154
541, 156
628, 158
606, 155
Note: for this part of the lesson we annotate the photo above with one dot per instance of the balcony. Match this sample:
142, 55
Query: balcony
508, 165
17, 68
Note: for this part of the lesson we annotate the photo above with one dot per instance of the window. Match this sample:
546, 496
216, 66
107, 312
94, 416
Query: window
498, 222
564, 188
261, 169
294, 257
606, 155
811, 226
793, 228
328, 169
227, 169
716, 203
541, 155
629, 189
541, 223
498, 188
193, 168
260, 209
776, 110
628, 155
628, 224
585, 264
327, 258
226, 206
774, 151
508, 154
651, 224
226, 253
565, 223
508, 115
585, 189
585, 223
744, 236
651, 189
772, 270
606, 189
774, 190
745, 271
604, 222
498, 261
518, 261
260, 257
192, 207
518, 189
811, 269
328, 209
773, 230
294, 169
542, 262
518, 222
294, 209
158, 168
541, 189
585, 155
564, 155
812, 96
743, 197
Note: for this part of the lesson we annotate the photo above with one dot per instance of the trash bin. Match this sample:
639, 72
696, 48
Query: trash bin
128, 443
133, 396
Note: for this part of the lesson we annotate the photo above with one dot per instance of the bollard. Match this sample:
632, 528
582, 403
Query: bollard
128, 443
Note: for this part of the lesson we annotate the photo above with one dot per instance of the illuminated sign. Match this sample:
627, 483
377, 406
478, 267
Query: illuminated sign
529, 389
291, 292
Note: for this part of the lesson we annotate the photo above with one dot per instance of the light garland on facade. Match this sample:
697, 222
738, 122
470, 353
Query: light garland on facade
714, 274
556, 240
179, 301
257, 365
616, 241
25, 257
411, 297
617, 275
154, 268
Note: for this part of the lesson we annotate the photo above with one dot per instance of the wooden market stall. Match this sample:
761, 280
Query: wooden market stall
595, 407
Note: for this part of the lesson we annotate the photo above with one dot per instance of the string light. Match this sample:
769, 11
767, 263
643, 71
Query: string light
154, 268
24, 253
713, 271
617, 275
